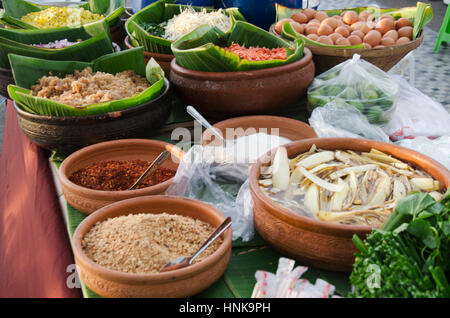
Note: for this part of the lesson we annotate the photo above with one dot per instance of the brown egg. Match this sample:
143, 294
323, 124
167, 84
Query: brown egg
311, 29
342, 31
387, 41
320, 15
402, 22
387, 16
299, 17
364, 16
343, 41
358, 33
346, 26
324, 30
313, 36
368, 26
354, 39
406, 31
373, 38
368, 46
279, 25
385, 25
334, 36
309, 13
333, 23
337, 17
350, 17
357, 25
314, 21
391, 34
403, 40
299, 28
325, 40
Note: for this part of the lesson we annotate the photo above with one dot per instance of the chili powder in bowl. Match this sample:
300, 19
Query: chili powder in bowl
100, 174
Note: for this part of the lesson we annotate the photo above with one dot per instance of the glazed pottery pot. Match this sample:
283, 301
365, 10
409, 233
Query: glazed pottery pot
67, 134
246, 125
162, 59
314, 242
222, 95
182, 282
88, 200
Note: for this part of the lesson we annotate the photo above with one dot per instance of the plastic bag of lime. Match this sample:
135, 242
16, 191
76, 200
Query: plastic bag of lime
357, 83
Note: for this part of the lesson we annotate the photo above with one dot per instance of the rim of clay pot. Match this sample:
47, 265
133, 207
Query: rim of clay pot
90, 151
131, 278
240, 121
158, 56
114, 114
421, 161
230, 76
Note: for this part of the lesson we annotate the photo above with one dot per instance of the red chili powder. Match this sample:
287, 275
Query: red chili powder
115, 175
257, 53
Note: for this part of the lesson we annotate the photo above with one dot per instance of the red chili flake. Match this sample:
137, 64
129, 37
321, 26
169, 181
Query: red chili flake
115, 175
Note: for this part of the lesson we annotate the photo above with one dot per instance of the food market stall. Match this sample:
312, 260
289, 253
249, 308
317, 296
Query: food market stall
234, 279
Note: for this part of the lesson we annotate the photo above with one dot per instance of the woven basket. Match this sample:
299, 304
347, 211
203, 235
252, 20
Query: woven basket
384, 58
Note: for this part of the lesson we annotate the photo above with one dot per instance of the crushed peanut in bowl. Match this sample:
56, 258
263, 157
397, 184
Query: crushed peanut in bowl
143, 243
88, 87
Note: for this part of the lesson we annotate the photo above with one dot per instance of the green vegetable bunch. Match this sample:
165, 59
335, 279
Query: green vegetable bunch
410, 255
359, 84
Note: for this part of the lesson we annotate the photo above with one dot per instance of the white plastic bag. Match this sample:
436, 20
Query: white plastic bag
416, 114
357, 83
438, 149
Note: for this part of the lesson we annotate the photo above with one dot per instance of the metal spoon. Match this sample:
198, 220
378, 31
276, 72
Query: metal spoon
198, 117
181, 262
155, 164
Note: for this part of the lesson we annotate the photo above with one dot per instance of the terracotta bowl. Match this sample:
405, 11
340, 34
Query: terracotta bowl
162, 59
183, 282
384, 58
314, 242
223, 95
88, 200
67, 134
247, 125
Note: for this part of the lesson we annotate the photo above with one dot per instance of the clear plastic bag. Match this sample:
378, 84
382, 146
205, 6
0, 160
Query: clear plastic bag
343, 120
219, 176
357, 83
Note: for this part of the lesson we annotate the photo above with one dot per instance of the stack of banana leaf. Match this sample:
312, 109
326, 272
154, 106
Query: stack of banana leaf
14, 10
28, 70
157, 13
419, 15
203, 48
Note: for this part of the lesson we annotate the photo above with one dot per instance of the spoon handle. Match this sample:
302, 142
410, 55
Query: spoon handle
211, 238
198, 117
155, 164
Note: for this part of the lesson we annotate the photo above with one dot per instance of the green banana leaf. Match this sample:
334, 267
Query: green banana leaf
158, 12
15, 9
202, 49
96, 41
28, 70
419, 15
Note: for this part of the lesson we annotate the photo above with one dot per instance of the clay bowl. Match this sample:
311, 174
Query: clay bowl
247, 125
67, 134
221, 95
314, 242
384, 58
183, 282
162, 59
88, 200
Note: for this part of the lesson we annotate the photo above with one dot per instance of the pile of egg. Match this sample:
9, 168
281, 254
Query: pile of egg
350, 28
